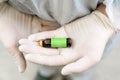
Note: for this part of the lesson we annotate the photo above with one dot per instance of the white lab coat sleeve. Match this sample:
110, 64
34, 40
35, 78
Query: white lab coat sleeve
113, 11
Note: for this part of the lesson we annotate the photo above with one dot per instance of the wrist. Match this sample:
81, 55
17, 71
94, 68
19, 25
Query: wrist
102, 8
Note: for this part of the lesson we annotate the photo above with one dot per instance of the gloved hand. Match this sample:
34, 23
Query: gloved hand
15, 25
89, 36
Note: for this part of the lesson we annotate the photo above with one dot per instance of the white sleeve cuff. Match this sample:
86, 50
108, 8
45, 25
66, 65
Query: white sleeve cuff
113, 11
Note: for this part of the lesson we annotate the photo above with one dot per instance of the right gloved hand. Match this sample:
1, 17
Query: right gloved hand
14, 26
89, 37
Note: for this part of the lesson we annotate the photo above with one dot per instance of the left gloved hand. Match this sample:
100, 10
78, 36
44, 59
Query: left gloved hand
15, 25
89, 35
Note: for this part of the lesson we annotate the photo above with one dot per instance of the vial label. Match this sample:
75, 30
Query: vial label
58, 42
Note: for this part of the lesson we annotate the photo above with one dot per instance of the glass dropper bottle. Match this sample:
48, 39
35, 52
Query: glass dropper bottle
56, 42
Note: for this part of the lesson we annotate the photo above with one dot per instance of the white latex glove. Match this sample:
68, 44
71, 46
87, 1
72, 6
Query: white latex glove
15, 25
89, 35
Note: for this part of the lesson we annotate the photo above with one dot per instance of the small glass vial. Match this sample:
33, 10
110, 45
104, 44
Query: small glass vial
56, 43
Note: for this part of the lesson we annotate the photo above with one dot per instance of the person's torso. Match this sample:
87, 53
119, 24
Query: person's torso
62, 11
